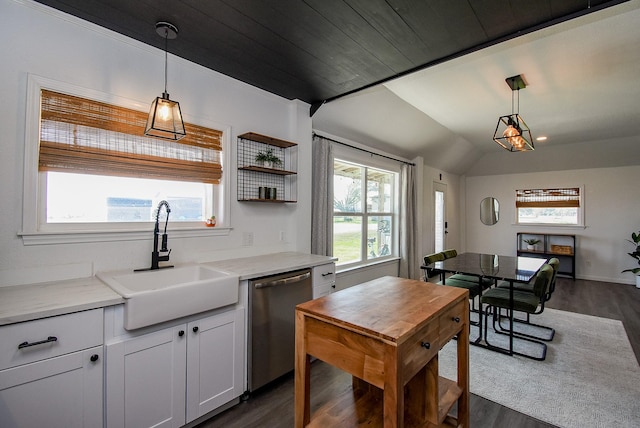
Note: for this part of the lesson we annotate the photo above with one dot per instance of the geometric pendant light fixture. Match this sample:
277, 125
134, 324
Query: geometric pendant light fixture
165, 117
512, 133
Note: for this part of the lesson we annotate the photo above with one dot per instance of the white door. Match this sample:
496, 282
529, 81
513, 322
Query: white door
59, 392
440, 219
146, 380
215, 362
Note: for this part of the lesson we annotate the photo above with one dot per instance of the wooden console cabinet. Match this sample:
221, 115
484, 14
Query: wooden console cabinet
563, 247
386, 333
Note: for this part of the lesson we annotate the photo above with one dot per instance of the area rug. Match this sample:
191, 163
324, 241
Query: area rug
590, 378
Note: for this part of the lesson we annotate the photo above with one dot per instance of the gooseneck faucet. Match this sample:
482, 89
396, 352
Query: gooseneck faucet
156, 258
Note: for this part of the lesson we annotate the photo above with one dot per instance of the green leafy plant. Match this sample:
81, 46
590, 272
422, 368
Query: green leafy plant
268, 156
635, 240
532, 241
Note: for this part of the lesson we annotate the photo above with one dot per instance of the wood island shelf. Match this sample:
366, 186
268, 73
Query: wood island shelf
387, 334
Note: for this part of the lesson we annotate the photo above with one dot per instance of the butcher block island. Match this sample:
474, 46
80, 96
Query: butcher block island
386, 333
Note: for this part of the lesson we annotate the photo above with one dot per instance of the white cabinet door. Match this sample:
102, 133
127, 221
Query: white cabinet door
59, 392
146, 380
215, 362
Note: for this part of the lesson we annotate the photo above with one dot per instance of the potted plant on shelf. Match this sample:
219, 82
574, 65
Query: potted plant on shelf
268, 159
635, 240
531, 243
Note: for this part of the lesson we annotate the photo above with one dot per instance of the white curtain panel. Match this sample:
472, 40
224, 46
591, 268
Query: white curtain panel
409, 266
322, 197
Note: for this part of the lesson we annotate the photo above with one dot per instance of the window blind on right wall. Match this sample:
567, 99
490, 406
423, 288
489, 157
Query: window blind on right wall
552, 198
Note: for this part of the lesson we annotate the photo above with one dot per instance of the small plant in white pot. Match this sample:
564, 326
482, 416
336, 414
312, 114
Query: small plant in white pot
531, 243
635, 240
268, 159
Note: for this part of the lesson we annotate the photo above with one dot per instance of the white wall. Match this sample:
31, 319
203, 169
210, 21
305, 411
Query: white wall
47, 43
612, 212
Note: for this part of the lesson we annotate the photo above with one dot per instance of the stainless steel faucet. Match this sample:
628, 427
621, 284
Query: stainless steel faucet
156, 258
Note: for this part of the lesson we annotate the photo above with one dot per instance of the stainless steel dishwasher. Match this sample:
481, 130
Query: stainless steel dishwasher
272, 302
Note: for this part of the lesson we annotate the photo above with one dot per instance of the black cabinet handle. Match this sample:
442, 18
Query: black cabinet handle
456, 319
425, 345
195, 329
327, 274
333, 286
181, 333
40, 342
94, 358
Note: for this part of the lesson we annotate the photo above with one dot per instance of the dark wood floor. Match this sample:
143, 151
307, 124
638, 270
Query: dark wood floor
272, 407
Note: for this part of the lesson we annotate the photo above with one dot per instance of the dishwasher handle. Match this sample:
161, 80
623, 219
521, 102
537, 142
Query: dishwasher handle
283, 281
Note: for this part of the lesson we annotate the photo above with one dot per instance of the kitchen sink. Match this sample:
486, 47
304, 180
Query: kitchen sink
156, 296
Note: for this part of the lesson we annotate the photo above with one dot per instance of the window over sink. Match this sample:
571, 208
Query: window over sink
90, 168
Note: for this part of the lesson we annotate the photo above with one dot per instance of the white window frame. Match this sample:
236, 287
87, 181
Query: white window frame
580, 222
362, 158
35, 230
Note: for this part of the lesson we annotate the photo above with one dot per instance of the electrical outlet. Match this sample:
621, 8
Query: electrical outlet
247, 239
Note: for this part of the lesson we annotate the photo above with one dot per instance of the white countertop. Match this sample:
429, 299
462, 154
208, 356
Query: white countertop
28, 302
269, 264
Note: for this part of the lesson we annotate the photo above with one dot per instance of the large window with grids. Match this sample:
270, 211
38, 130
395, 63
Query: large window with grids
557, 206
364, 213
91, 168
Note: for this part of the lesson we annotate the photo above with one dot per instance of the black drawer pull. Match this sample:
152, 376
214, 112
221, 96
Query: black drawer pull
181, 333
94, 358
456, 319
40, 342
195, 329
425, 345
327, 274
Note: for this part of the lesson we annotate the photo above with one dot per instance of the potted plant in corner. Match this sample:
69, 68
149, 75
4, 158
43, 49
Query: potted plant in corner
531, 243
635, 240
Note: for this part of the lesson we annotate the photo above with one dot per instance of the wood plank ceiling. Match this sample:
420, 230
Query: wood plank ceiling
320, 50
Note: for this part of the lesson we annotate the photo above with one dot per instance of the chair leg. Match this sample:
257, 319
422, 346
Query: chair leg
502, 330
497, 315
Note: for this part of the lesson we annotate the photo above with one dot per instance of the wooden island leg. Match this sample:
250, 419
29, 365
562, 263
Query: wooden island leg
393, 400
302, 382
463, 370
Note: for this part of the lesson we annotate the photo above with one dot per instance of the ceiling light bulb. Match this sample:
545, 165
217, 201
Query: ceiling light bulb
165, 112
513, 136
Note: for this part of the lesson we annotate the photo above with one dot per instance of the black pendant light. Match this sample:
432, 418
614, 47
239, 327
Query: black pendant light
165, 118
512, 133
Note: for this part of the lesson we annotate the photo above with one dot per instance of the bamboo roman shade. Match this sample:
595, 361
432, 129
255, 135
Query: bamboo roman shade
90, 137
543, 198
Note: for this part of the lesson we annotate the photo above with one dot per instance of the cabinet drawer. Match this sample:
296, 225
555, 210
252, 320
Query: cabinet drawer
36, 340
324, 274
451, 320
419, 349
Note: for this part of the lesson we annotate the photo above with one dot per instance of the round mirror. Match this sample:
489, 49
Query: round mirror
489, 211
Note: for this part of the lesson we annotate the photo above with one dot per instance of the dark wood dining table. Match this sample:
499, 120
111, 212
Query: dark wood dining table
498, 268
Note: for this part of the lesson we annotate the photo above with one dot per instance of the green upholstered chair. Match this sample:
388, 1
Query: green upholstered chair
554, 263
449, 253
472, 287
529, 302
431, 272
430, 259
486, 282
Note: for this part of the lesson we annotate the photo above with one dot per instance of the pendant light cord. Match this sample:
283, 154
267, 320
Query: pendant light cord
166, 38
